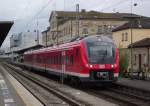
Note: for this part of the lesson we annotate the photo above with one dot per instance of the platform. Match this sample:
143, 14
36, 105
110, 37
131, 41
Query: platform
12, 93
139, 84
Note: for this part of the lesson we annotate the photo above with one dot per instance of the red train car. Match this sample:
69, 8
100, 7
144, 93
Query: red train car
91, 59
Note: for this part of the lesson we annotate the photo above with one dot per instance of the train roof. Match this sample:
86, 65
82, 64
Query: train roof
75, 42
102, 38
56, 47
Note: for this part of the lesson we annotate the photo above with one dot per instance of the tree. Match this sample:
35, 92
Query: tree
123, 61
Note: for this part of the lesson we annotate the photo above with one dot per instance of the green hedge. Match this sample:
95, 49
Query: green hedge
123, 61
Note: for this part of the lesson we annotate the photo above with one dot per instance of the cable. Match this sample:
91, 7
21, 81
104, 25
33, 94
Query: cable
46, 4
116, 4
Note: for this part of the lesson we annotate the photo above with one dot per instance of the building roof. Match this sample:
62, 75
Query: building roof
4, 29
48, 28
92, 15
29, 48
140, 44
141, 24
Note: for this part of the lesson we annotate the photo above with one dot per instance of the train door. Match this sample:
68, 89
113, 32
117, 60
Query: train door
63, 65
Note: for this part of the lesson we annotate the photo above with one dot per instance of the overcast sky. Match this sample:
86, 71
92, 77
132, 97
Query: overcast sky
26, 13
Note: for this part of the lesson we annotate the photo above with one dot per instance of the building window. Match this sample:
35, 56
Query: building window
126, 36
69, 29
64, 31
135, 59
99, 30
85, 31
145, 59
122, 36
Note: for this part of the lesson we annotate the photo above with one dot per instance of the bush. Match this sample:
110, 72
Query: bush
123, 61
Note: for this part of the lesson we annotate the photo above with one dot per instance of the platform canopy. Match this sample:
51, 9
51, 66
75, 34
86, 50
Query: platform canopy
4, 29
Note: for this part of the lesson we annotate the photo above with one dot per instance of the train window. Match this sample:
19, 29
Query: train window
37, 59
49, 60
60, 59
67, 59
54, 59
71, 59
63, 59
77, 52
57, 59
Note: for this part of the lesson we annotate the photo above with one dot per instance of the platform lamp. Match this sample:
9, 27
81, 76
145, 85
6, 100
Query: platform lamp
132, 20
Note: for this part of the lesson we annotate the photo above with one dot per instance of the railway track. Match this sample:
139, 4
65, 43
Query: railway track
43, 90
122, 95
127, 95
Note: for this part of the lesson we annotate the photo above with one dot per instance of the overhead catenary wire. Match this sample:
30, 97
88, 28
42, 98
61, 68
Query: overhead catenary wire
114, 5
39, 12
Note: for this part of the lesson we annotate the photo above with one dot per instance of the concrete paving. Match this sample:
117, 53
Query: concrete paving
140, 84
8, 95
12, 93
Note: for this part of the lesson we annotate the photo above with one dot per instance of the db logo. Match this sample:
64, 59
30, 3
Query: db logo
101, 66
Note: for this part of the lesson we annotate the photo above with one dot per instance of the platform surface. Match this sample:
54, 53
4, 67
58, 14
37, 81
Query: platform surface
8, 95
12, 93
139, 84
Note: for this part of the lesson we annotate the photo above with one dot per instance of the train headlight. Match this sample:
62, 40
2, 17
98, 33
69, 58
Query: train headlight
112, 66
91, 66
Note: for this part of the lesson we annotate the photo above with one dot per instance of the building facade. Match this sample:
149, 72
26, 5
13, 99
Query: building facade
24, 40
141, 54
122, 35
67, 25
46, 39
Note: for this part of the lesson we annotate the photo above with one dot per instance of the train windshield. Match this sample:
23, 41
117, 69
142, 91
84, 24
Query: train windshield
100, 53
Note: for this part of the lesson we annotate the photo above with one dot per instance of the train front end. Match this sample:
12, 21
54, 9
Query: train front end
102, 59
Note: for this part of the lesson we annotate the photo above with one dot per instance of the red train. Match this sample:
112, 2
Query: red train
90, 59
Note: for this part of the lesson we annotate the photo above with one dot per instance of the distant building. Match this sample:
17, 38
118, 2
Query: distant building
25, 40
2, 51
64, 24
139, 29
46, 39
141, 54
15, 40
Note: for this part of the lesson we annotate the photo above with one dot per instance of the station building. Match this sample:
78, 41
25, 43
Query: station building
19, 43
141, 53
66, 25
138, 29
25, 40
139, 32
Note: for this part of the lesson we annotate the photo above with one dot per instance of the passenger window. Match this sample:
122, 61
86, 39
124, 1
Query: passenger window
67, 59
71, 59
77, 52
60, 59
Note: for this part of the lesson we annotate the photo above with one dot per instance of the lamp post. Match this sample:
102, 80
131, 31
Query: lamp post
132, 20
77, 20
